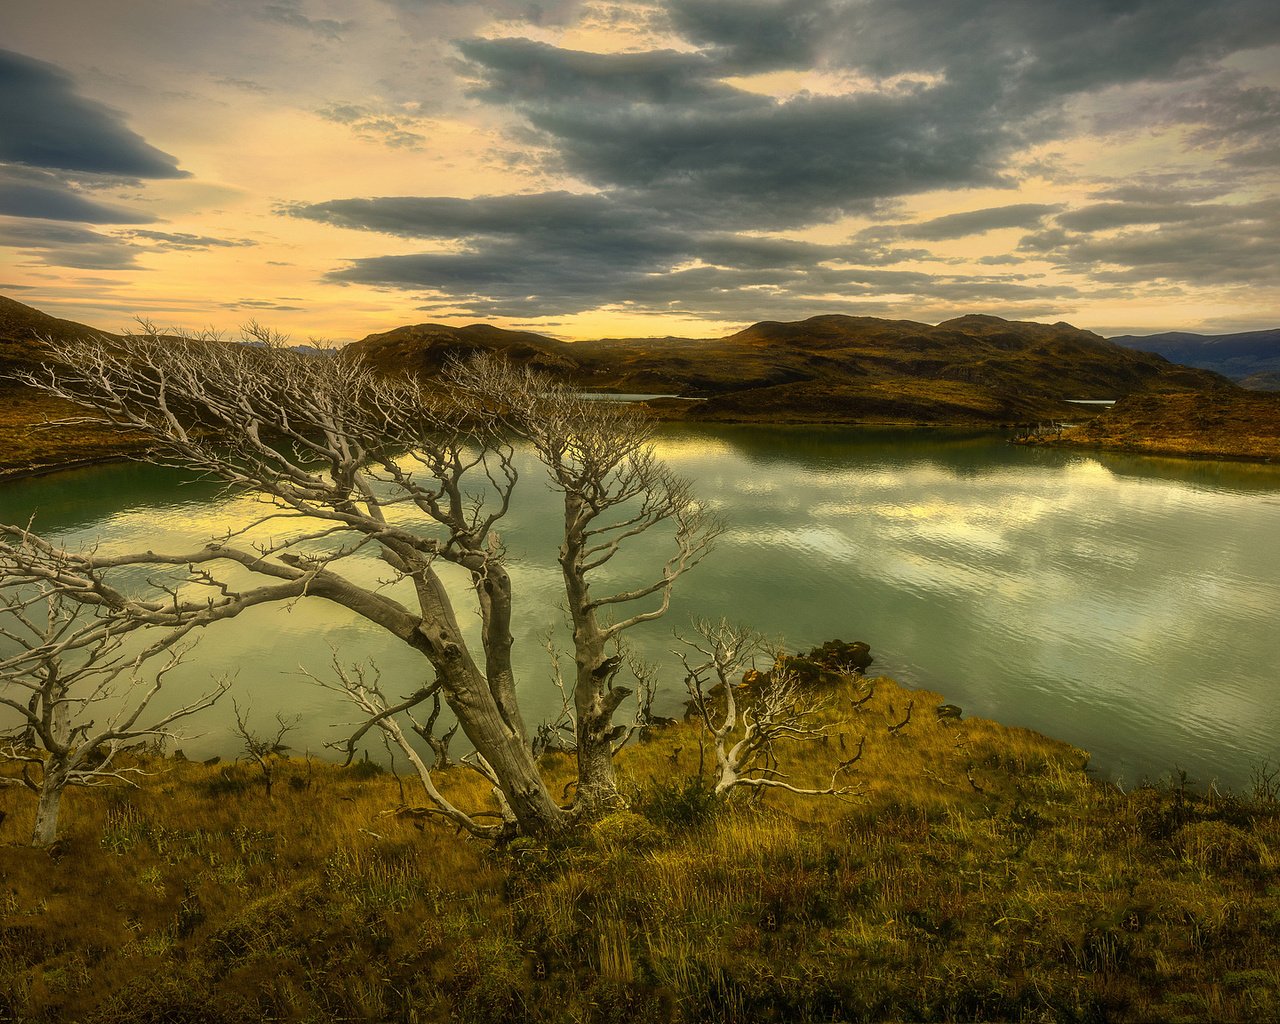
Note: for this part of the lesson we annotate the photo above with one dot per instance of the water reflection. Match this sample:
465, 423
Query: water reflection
1121, 603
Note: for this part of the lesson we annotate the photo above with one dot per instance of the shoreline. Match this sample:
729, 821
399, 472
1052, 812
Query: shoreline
1130, 448
31, 471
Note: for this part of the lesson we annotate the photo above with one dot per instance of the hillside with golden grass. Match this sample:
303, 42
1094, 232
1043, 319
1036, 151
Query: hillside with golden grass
27, 441
1222, 423
975, 872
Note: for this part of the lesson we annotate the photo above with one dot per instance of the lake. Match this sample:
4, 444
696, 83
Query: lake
1125, 604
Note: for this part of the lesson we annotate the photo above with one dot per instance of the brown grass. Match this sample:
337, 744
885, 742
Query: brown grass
30, 444
1223, 423
978, 873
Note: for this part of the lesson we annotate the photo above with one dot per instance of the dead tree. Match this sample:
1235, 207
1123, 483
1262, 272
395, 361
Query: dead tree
80, 694
600, 457
264, 749
419, 473
747, 720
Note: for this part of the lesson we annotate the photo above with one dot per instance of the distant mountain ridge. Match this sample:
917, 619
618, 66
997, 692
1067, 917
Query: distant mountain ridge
1251, 358
831, 368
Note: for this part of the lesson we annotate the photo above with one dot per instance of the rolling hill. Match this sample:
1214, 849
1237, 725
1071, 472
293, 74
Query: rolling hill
974, 369
21, 329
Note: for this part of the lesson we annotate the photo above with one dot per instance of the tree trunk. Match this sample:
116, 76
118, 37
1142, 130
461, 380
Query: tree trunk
510, 758
46, 830
595, 702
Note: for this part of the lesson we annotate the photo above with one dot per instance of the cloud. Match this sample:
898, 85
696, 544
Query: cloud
755, 36
661, 124
521, 255
70, 245
533, 12
971, 222
243, 84
44, 123
27, 192
67, 245
1048, 49
1243, 120
261, 304
394, 128
1207, 244
289, 12
690, 166
1103, 216
167, 241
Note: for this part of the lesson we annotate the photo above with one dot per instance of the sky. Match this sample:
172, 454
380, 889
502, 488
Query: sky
588, 168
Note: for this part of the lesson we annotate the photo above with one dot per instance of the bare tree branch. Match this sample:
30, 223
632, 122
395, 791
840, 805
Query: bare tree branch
746, 720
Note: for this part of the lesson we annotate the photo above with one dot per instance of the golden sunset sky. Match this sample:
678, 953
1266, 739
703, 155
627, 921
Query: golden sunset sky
591, 169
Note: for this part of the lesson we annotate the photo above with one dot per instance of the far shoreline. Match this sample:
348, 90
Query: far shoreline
93, 455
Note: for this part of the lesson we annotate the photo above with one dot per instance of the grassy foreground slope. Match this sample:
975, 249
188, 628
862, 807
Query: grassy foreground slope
977, 874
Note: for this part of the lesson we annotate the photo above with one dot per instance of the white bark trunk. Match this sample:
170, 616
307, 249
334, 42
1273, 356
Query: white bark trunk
46, 830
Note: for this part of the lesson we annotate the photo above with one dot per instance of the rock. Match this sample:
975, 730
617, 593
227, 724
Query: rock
842, 657
948, 710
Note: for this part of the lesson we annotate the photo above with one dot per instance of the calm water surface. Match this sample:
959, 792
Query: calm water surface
1125, 604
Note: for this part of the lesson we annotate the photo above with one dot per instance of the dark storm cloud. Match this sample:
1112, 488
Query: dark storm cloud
1103, 216
67, 245
1160, 188
689, 167
521, 255
971, 222
569, 216
541, 231
1221, 244
660, 123
34, 234
28, 192
1245, 121
1049, 48
755, 36
44, 123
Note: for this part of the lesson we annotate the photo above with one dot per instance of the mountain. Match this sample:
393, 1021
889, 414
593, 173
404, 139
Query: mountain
829, 368
425, 348
1251, 358
28, 444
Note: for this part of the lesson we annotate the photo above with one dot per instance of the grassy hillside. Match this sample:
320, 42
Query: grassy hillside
1231, 423
976, 873
27, 443
973, 370
838, 369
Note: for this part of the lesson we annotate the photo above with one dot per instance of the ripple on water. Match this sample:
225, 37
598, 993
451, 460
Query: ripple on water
1123, 605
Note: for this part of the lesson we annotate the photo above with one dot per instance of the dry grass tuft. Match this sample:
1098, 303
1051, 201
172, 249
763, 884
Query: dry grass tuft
975, 873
